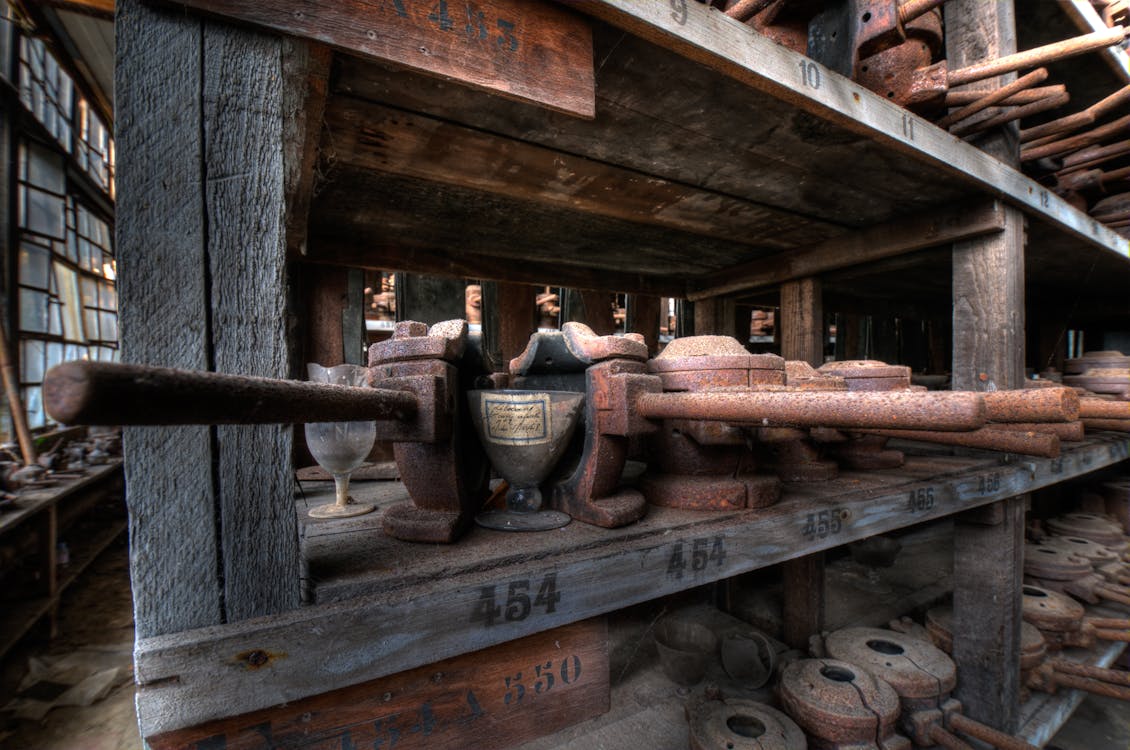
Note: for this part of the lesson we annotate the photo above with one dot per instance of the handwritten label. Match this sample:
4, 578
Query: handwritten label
703, 552
517, 418
518, 604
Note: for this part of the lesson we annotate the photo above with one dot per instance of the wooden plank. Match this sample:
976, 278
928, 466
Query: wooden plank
388, 606
736, 51
530, 51
164, 317
390, 140
935, 227
497, 697
306, 68
801, 321
246, 255
392, 255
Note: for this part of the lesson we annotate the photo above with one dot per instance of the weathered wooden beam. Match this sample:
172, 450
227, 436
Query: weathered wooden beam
375, 137
389, 257
867, 245
643, 318
306, 67
510, 317
531, 51
801, 321
804, 602
164, 318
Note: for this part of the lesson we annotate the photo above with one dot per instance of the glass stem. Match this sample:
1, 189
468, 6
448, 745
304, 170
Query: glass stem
341, 484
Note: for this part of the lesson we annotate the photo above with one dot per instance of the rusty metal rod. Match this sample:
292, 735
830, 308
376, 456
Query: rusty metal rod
912, 9
854, 410
745, 9
1018, 113
993, 97
1071, 432
1024, 443
102, 393
1098, 408
1032, 405
1094, 155
1095, 687
1113, 425
961, 98
1096, 111
939, 736
1109, 622
1119, 636
985, 733
1091, 137
1035, 57
1111, 676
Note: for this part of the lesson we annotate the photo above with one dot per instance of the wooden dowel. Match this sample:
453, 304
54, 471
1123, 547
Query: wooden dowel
1015, 114
1092, 155
101, 393
1076, 142
1038, 56
1036, 76
961, 98
1096, 111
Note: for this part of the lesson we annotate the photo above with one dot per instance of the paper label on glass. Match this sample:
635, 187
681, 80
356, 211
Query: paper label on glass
517, 418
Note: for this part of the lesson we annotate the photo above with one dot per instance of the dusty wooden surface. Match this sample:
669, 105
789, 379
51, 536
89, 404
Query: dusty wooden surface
536, 52
496, 697
389, 606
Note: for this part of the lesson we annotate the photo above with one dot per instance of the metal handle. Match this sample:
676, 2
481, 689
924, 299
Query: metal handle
102, 393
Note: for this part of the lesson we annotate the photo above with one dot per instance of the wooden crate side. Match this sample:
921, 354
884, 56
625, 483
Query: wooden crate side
494, 698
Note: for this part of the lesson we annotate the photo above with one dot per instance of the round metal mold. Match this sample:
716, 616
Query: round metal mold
748, 658
685, 649
738, 724
1033, 647
1050, 610
1092, 551
869, 374
837, 701
1088, 526
1054, 563
914, 668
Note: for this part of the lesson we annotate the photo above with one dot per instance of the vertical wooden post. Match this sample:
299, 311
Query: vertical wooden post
593, 308
202, 246
430, 299
802, 321
643, 318
510, 316
988, 354
801, 326
716, 316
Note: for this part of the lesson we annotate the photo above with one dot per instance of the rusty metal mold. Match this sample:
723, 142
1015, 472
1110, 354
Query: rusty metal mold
1099, 372
868, 452
1089, 526
737, 724
841, 705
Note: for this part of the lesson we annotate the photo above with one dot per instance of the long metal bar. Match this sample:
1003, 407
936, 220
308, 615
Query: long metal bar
993, 97
912, 410
1032, 405
1038, 56
985, 733
1112, 676
102, 393
1024, 443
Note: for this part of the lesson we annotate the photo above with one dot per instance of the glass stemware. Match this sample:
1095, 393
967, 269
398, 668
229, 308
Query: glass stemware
340, 447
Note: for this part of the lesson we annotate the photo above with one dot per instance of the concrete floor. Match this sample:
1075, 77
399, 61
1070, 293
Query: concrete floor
97, 611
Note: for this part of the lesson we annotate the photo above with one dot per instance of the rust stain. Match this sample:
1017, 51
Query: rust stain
256, 658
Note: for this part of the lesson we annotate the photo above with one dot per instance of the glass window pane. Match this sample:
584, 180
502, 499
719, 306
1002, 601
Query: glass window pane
89, 292
74, 352
54, 354
109, 297
71, 303
32, 354
33, 311
34, 264
44, 168
33, 402
54, 317
91, 319
109, 326
45, 213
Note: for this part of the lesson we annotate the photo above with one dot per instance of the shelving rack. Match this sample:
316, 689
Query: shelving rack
714, 156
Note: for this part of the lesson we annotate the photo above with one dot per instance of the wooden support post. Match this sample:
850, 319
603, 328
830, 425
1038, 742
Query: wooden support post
643, 318
325, 295
802, 321
203, 286
430, 299
715, 316
803, 588
988, 354
510, 316
593, 308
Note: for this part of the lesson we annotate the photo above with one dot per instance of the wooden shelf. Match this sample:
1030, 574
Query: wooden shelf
386, 606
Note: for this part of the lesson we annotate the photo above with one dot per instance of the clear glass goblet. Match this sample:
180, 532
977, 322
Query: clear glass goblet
340, 447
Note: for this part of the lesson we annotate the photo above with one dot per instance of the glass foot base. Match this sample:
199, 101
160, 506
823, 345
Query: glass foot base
333, 510
509, 520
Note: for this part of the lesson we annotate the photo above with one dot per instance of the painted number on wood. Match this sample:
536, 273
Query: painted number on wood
990, 484
679, 11
465, 17
519, 603
921, 499
541, 678
1056, 466
422, 721
908, 127
809, 74
824, 524
1119, 450
703, 553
